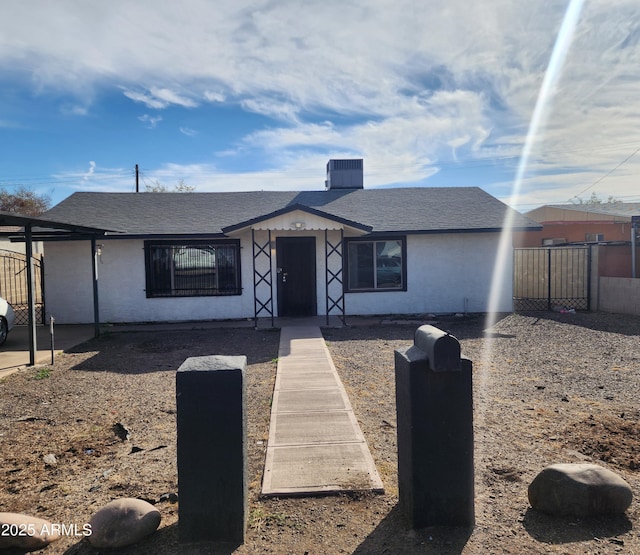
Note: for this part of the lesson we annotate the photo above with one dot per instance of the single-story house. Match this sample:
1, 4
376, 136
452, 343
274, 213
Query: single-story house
345, 250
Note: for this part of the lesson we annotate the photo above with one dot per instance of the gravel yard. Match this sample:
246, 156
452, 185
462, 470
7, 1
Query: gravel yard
547, 388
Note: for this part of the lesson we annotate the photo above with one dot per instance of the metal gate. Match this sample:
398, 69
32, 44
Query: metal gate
14, 288
548, 278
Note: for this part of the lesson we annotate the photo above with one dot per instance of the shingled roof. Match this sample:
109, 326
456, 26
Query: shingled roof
393, 210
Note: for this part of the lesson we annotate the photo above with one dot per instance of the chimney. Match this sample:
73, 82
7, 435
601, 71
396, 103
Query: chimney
344, 174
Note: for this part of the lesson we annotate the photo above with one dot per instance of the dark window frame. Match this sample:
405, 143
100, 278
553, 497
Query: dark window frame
374, 239
154, 278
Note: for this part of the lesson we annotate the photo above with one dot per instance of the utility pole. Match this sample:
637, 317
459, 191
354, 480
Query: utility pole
137, 179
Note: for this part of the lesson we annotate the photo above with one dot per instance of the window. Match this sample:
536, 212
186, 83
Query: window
594, 237
192, 269
376, 265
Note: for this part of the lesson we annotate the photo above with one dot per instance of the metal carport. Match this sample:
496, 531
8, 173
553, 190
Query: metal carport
47, 227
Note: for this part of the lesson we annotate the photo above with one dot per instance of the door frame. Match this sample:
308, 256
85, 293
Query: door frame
311, 286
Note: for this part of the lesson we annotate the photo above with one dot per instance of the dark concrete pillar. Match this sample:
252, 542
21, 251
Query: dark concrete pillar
435, 431
212, 449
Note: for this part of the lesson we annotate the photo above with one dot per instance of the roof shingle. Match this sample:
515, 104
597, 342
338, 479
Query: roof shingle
411, 210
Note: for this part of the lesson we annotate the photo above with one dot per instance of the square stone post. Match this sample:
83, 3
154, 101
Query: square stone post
212, 449
435, 431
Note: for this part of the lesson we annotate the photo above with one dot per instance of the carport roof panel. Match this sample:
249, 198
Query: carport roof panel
13, 219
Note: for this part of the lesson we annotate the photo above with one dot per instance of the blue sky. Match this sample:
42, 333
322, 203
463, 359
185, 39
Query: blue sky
247, 95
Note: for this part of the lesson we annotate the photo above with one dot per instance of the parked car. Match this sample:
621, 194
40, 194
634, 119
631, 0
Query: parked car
7, 319
389, 272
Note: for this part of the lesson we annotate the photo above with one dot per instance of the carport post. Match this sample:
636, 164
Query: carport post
33, 347
94, 274
634, 233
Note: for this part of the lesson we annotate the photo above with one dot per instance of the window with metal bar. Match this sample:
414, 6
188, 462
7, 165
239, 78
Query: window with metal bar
192, 269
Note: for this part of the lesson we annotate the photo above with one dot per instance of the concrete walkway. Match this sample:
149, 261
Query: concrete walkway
315, 443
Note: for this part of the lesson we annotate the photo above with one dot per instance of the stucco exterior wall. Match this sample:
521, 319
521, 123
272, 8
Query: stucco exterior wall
7, 245
121, 287
445, 273
68, 282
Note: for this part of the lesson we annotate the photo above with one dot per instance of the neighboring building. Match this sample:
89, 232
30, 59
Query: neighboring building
345, 250
580, 223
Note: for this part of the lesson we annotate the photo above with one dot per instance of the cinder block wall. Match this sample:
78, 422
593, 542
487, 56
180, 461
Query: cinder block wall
619, 295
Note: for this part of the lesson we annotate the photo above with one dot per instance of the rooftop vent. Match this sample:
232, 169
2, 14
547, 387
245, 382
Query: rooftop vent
344, 174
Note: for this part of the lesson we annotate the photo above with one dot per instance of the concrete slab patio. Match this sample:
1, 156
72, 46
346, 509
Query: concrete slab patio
315, 443
14, 354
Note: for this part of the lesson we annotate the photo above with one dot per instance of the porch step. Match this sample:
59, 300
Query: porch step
315, 443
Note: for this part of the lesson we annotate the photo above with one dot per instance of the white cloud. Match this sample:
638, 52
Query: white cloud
214, 96
148, 100
272, 107
98, 179
91, 171
150, 121
408, 85
74, 110
159, 98
188, 131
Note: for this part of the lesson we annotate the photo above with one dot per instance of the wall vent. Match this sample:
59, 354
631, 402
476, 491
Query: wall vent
345, 174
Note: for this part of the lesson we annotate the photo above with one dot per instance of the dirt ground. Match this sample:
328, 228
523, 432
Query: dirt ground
547, 388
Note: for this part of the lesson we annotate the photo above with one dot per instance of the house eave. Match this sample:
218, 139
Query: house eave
452, 230
254, 223
52, 237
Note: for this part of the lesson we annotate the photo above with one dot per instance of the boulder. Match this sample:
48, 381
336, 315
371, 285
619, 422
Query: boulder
579, 490
123, 522
25, 532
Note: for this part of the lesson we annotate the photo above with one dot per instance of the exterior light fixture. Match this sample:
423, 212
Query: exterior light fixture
298, 225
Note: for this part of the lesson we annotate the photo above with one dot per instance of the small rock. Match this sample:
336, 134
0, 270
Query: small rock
170, 497
25, 532
121, 431
579, 489
50, 459
123, 522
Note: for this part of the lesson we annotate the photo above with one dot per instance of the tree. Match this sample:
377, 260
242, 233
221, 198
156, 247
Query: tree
24, 201
594, 199
180, 187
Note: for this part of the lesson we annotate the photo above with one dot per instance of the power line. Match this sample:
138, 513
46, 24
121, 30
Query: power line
33, 181
607, 174
300, 173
